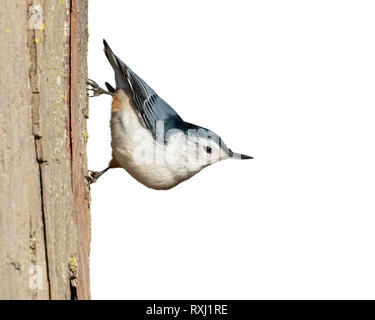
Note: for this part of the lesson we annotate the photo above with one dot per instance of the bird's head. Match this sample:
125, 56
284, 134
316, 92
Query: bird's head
204, 147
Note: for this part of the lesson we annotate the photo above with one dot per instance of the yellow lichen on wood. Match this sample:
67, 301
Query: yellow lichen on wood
85, 136
73, 264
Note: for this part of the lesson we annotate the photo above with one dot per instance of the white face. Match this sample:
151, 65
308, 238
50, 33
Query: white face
197, 152
207, 151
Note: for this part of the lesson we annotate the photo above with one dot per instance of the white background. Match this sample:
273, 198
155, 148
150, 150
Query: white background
288, 82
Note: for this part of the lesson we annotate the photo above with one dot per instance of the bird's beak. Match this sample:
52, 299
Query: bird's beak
239, 156
244, 157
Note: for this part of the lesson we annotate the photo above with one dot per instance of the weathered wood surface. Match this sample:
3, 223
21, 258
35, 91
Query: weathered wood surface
44, 198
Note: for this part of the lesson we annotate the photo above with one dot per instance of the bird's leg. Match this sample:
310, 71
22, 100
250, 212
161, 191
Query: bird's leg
96, 90
95, 175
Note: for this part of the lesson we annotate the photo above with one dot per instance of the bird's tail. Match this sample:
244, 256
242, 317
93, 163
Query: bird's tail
119, 68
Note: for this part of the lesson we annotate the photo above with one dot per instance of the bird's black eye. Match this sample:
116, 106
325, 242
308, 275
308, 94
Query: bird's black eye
208, 149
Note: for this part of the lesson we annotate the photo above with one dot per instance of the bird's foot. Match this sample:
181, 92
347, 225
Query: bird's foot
95, 89
95, 175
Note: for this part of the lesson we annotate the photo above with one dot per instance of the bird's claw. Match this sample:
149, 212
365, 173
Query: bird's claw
93, 176
95, 89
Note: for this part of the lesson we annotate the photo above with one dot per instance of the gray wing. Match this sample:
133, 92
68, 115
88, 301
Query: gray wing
151, 107
153, 111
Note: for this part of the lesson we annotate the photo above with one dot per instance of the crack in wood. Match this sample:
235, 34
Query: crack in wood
73, 271
17, 266
35, 111
69, 88
73, 275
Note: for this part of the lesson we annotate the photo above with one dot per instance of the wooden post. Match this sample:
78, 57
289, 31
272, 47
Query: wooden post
44, 197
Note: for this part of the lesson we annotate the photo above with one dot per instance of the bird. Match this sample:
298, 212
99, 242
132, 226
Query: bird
148, 137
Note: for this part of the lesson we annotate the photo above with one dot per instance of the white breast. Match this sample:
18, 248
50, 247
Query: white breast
154, 164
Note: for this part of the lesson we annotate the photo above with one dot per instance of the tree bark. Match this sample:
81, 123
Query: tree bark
44, 197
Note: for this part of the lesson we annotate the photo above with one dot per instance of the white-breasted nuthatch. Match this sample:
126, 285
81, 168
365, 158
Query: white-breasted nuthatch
149, 139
